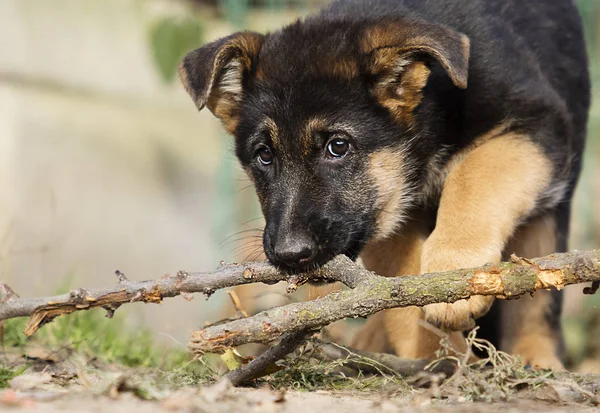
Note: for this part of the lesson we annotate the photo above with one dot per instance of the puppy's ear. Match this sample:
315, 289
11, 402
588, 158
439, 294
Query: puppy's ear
397, 53
216, 74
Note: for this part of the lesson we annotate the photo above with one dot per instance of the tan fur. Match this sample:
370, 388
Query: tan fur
437, 170
226, 108
393, 50
388, 172
342, 68
484, 198
526, 331
478, 182
412, 37
224, 91
538, 350
273, 133
400, 84
399, 330
314, 125
248, 172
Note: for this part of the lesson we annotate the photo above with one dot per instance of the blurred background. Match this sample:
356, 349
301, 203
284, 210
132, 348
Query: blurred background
106, 164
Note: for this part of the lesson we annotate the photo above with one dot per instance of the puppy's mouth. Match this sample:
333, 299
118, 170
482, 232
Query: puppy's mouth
352, 251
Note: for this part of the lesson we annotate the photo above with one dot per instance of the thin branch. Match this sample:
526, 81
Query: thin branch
373, 293
237, 303
260, 365
43, 310
404, 367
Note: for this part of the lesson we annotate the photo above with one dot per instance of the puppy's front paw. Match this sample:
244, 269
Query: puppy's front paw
538, 351
458, 316
545, 363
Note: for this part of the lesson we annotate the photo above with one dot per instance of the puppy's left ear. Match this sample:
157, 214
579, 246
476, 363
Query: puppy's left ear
398, 52
217, 74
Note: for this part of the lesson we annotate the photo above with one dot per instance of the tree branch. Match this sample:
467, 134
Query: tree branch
358, 360
369, 294
257, 367
43, 310
373, 293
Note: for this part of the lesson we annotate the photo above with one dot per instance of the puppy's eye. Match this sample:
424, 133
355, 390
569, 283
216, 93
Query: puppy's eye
337, 148
265, 157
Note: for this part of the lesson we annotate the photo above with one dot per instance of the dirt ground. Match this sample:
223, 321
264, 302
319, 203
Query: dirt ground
56, 388
218, 398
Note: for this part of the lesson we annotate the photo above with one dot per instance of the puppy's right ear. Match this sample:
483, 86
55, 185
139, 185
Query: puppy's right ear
216, 74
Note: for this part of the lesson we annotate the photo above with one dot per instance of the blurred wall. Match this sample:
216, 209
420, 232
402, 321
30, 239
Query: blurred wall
103, 164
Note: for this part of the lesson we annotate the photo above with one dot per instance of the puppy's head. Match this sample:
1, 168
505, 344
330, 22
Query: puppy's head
325, 115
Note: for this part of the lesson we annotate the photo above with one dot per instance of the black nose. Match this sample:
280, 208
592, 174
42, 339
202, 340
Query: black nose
294, 251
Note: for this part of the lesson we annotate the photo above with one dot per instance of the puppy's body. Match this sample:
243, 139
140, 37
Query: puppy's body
425, 135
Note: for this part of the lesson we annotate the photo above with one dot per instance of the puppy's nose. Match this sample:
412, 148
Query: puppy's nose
294, 251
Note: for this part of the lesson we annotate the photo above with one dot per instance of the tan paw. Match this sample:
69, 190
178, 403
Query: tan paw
541, 362
458, 316
539, 352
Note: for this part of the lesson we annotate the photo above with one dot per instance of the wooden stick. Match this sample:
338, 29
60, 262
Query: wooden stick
372, 293
259, 366
43, 310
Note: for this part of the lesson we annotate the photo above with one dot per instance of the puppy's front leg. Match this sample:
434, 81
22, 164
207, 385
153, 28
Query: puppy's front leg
484, 198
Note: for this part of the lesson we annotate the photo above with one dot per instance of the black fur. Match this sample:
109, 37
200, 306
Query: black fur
527, 70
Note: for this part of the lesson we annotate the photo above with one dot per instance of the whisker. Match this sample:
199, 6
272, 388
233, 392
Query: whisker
247, 238
251, 220
243, 248
257, 255
243, 189
259, 230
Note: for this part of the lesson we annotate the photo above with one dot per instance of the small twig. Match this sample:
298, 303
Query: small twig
592, 289
237, 303
7, 294
356, 359
110, 310
122, 278
259, 366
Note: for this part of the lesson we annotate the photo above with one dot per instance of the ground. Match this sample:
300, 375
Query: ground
222, 399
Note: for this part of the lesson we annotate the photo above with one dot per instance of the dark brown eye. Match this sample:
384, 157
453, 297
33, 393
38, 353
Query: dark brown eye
265, 156
337, 148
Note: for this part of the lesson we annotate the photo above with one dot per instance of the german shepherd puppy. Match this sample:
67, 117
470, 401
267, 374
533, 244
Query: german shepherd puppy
420, 135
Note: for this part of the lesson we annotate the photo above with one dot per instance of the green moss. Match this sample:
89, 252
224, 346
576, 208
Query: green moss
308, 315
7, 373
12, 333
95, 336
